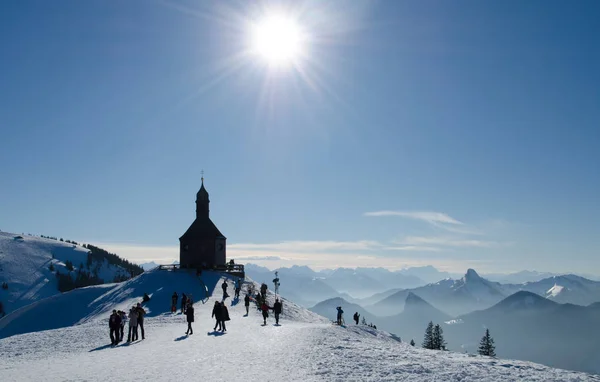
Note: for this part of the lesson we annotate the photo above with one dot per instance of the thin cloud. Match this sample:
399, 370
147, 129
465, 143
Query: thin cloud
310, 246
442, 241
426, 216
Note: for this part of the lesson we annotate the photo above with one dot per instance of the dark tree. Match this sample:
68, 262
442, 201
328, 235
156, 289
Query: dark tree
69, 265
438, 338
412, 342
51, 267
486, 346
428, 339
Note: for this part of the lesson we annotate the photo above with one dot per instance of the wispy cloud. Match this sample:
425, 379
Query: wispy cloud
444, 241
426, 216
310, 246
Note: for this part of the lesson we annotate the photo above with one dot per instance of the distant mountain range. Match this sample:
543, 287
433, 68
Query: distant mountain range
528, 326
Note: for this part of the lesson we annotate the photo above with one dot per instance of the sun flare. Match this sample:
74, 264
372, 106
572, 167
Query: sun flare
277, 39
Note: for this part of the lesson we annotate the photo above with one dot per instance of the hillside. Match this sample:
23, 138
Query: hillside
28, 264
306, 347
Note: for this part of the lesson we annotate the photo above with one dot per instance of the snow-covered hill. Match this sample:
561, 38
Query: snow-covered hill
306, 347
26, 263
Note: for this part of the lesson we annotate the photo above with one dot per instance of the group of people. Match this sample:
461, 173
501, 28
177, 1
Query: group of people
186, 302
237, 285
220, 313
117, 320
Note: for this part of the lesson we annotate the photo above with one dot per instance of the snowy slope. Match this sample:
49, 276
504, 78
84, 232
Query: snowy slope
304, 348
24, 265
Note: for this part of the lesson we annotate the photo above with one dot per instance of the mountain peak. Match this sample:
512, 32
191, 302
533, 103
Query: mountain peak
471, 275
412, 299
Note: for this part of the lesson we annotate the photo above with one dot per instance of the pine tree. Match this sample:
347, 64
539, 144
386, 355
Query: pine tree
438, 338
412, 342
51, 267
486, 346
428, 339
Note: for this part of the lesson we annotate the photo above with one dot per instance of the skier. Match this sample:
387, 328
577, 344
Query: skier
141, 313
174, 299
356, 317
133, 324
224, 317
123, 317
114, 322
247, 304
183, 303
224, 286
190, 318
277, 310
339, 315
265, 312
217, 313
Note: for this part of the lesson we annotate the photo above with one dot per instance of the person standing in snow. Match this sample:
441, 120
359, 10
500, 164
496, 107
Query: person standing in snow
189, 312
224, 286
263, 291
141, 313
114, 322
217, 313
277, 310
238, 288
174, 299
224, 317
133, 325
123, 316
183, 303
339, 315
247, 304
265, 312
356, 317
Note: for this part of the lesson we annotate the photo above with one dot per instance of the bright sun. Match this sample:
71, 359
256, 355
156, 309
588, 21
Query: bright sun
277, 39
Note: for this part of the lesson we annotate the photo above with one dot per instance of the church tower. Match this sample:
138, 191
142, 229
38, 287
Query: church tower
202, 245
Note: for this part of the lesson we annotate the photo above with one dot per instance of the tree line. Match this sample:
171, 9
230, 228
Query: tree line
434, 340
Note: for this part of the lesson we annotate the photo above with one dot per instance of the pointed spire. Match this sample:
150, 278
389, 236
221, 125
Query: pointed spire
202, 172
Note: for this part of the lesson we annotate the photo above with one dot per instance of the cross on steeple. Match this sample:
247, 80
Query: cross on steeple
202, 173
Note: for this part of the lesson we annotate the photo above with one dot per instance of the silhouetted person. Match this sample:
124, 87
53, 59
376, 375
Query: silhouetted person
247, 304
356, 317
133, 325
339, 315
217, 314
277, 310
263, 291
190, 318
114, 323
174, 299
141, 314
224, 317
238, 288
265, 311
183, 303
123, 321
224, 286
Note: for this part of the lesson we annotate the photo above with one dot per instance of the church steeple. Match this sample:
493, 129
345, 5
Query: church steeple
202, 202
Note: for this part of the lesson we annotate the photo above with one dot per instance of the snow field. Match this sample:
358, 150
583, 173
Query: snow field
306, 347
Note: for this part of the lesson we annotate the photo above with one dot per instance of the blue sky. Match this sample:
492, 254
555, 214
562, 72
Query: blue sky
458, 134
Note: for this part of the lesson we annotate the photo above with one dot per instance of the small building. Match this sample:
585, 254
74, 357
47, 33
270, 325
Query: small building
202, 245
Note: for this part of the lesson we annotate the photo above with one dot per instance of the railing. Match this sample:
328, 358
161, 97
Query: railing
169, 267
234, 269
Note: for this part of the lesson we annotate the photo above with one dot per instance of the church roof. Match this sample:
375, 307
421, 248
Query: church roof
202, 228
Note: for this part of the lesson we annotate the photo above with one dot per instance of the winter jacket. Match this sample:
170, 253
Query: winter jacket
114, 322
141, 313
217, 313
190, 314
123, 318
277, 307
224, 285
133, 317
224, 313
247, 300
